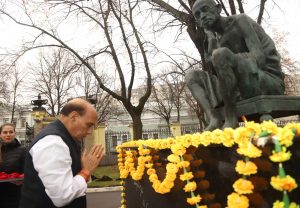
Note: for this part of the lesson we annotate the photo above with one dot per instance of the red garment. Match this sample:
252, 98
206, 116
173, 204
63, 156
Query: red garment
4, 175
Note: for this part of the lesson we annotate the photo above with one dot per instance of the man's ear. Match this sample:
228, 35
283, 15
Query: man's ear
219, 8
73, 115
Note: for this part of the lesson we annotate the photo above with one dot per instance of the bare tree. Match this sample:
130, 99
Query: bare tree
102, 100
180, 65
53, 77
194, 108
4, 92
289, 65
15, 80
176, 84
112, 18
160, 101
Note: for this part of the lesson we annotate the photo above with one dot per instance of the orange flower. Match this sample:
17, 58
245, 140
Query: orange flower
246, 168
235, 200
283, 184
194, 200
191, 186
243, 186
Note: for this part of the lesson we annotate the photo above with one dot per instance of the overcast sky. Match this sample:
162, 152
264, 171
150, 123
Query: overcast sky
285, 18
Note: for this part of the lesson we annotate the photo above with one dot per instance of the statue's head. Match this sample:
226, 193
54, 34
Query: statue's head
206, 13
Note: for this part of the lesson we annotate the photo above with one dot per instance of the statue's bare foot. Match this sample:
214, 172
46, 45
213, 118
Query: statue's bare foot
214, 124
233, 123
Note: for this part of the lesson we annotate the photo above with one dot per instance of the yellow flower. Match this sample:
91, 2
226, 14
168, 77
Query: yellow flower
280, 204
168, 184
253, 127
173, 158
194, 200
295, 126
187, 140
294, 205
217, 136
285, 137
228, 139
149, 165
283, 184
280, 156
243, 186
153, 178
172, 168
196, 140
170, 177
151, 171
269, 127
205, 138
183, 164
246, 168
186, 176
178, 149
249, 150
241, 136
144, 151
235, 200
191, 186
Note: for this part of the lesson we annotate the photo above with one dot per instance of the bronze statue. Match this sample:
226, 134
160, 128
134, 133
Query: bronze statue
244, 59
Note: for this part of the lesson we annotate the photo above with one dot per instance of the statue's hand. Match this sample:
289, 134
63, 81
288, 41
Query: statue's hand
209, 34
212, 41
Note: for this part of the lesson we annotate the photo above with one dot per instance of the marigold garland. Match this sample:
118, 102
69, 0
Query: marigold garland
134, 165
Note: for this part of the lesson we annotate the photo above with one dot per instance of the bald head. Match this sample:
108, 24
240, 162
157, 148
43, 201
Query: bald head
78, 105
79, 117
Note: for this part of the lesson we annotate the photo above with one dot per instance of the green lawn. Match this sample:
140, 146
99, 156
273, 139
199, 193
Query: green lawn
110, 171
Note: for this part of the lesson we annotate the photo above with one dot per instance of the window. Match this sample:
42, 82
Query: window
124, 138
114, 139
155, 135
145, 136
5, 120
23, 122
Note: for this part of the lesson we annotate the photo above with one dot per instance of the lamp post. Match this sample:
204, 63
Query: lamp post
38, 113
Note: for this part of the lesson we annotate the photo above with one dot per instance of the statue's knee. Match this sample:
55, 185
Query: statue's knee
221, 56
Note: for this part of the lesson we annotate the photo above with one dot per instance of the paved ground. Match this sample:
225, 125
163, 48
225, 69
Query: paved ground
104, 198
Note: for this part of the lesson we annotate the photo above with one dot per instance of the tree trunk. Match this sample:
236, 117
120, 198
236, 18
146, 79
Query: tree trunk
137, 125
13, 106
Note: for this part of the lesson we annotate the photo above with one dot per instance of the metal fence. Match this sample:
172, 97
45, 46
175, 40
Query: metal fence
115, 138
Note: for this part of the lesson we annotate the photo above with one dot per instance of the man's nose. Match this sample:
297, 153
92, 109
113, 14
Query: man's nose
202, 16
90, 130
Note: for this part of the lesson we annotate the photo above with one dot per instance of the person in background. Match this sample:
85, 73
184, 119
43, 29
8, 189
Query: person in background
56, 173
11, 161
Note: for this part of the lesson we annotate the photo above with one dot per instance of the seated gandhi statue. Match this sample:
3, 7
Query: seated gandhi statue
244, 59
